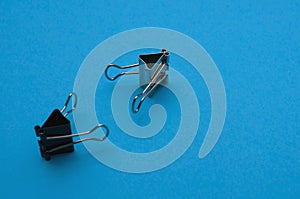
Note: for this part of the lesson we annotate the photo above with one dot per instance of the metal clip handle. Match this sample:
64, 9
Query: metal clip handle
120, 74
79, 134
157, 78
67, 102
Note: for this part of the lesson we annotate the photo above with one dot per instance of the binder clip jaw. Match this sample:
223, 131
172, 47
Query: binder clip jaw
153, 72
55, 125
56, 136
152, 66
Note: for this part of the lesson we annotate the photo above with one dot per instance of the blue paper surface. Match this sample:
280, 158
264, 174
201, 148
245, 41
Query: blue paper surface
256, 48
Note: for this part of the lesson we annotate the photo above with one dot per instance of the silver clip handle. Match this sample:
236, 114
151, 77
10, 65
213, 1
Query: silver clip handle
149, 88
67, 102
78, 134
119, 74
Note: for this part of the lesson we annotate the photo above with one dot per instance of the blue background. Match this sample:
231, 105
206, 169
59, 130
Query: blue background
256, 48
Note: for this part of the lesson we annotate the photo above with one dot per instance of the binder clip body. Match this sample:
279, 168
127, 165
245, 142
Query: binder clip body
152, 73
56, 136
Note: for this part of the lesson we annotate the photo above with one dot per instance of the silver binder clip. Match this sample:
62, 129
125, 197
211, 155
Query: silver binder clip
152, 70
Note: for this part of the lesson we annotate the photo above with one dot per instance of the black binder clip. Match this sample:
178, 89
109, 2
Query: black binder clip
56, 136
152, 70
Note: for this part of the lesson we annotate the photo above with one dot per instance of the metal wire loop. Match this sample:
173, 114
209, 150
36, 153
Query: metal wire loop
79, 134
149, 88
67, 102
120, 74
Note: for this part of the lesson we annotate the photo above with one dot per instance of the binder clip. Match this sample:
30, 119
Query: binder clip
152, 72
55, 134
